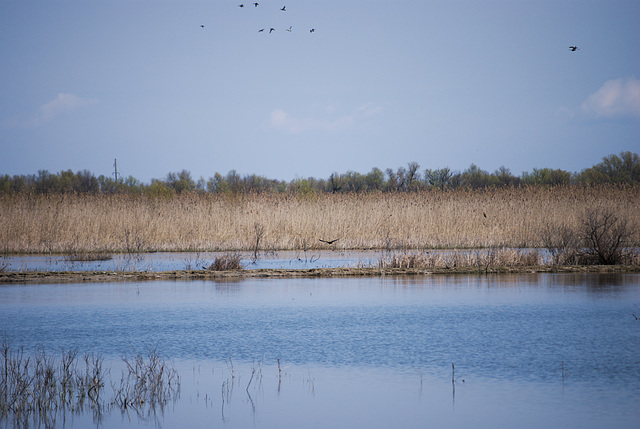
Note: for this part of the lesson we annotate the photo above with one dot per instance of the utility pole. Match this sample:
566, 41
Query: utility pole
115, 166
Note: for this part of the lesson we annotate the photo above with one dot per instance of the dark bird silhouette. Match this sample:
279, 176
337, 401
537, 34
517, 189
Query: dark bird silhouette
261, 30
256, 4
313, 30
329, 241
202, 25
241, 5
574, 48
271, 29
284, 8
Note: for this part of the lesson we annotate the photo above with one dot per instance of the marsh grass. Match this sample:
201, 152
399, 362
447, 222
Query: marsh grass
147, 383
194, 263
38, 387
41, 388
487, 218
482, 259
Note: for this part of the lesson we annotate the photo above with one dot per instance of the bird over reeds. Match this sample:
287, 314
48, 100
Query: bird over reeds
329, 241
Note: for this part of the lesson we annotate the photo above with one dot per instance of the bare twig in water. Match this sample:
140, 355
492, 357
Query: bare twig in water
148, 381
259, 230
39, 386
279, 374
453, 374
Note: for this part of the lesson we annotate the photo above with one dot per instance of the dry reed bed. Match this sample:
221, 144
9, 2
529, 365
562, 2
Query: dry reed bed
482, 259
510, 217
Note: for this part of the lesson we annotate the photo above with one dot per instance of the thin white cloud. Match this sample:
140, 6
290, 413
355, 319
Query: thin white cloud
63, 103
282, 120
368, 109
618, 97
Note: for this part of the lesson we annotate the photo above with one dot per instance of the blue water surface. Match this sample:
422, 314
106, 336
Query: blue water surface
564, 348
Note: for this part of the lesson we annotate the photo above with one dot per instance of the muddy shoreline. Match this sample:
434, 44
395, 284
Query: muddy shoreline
34, 277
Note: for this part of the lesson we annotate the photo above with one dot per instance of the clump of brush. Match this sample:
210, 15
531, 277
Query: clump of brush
39, 388
482, 259
226, 262
147, 381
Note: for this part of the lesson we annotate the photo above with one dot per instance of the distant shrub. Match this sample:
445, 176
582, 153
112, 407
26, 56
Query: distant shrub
229, 261
601, 238
622, 169
607, 238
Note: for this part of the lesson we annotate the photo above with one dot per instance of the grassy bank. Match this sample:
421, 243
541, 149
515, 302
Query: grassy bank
32, 277
511, 217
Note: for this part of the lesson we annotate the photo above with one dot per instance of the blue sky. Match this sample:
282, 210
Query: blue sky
377, 84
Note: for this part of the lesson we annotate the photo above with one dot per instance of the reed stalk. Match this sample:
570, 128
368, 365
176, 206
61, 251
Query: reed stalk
483, 259
147, 382
41, 387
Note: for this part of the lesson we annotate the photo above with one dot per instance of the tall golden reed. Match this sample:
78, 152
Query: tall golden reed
510, 217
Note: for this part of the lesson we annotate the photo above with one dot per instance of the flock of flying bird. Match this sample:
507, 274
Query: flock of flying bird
284, 9
271, 29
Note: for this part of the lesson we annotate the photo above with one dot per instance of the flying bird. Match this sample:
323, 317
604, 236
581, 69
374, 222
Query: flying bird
574, 48
202, 25
284, 8
312, 30
289, 29
261, 30
241, 5
329, 241
256, 4
271, 29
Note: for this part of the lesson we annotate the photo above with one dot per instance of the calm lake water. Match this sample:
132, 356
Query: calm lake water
170, 261
539, 350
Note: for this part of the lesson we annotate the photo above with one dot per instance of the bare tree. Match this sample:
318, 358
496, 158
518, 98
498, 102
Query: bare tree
607, 238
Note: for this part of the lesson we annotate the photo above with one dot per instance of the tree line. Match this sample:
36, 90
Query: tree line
613, 169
